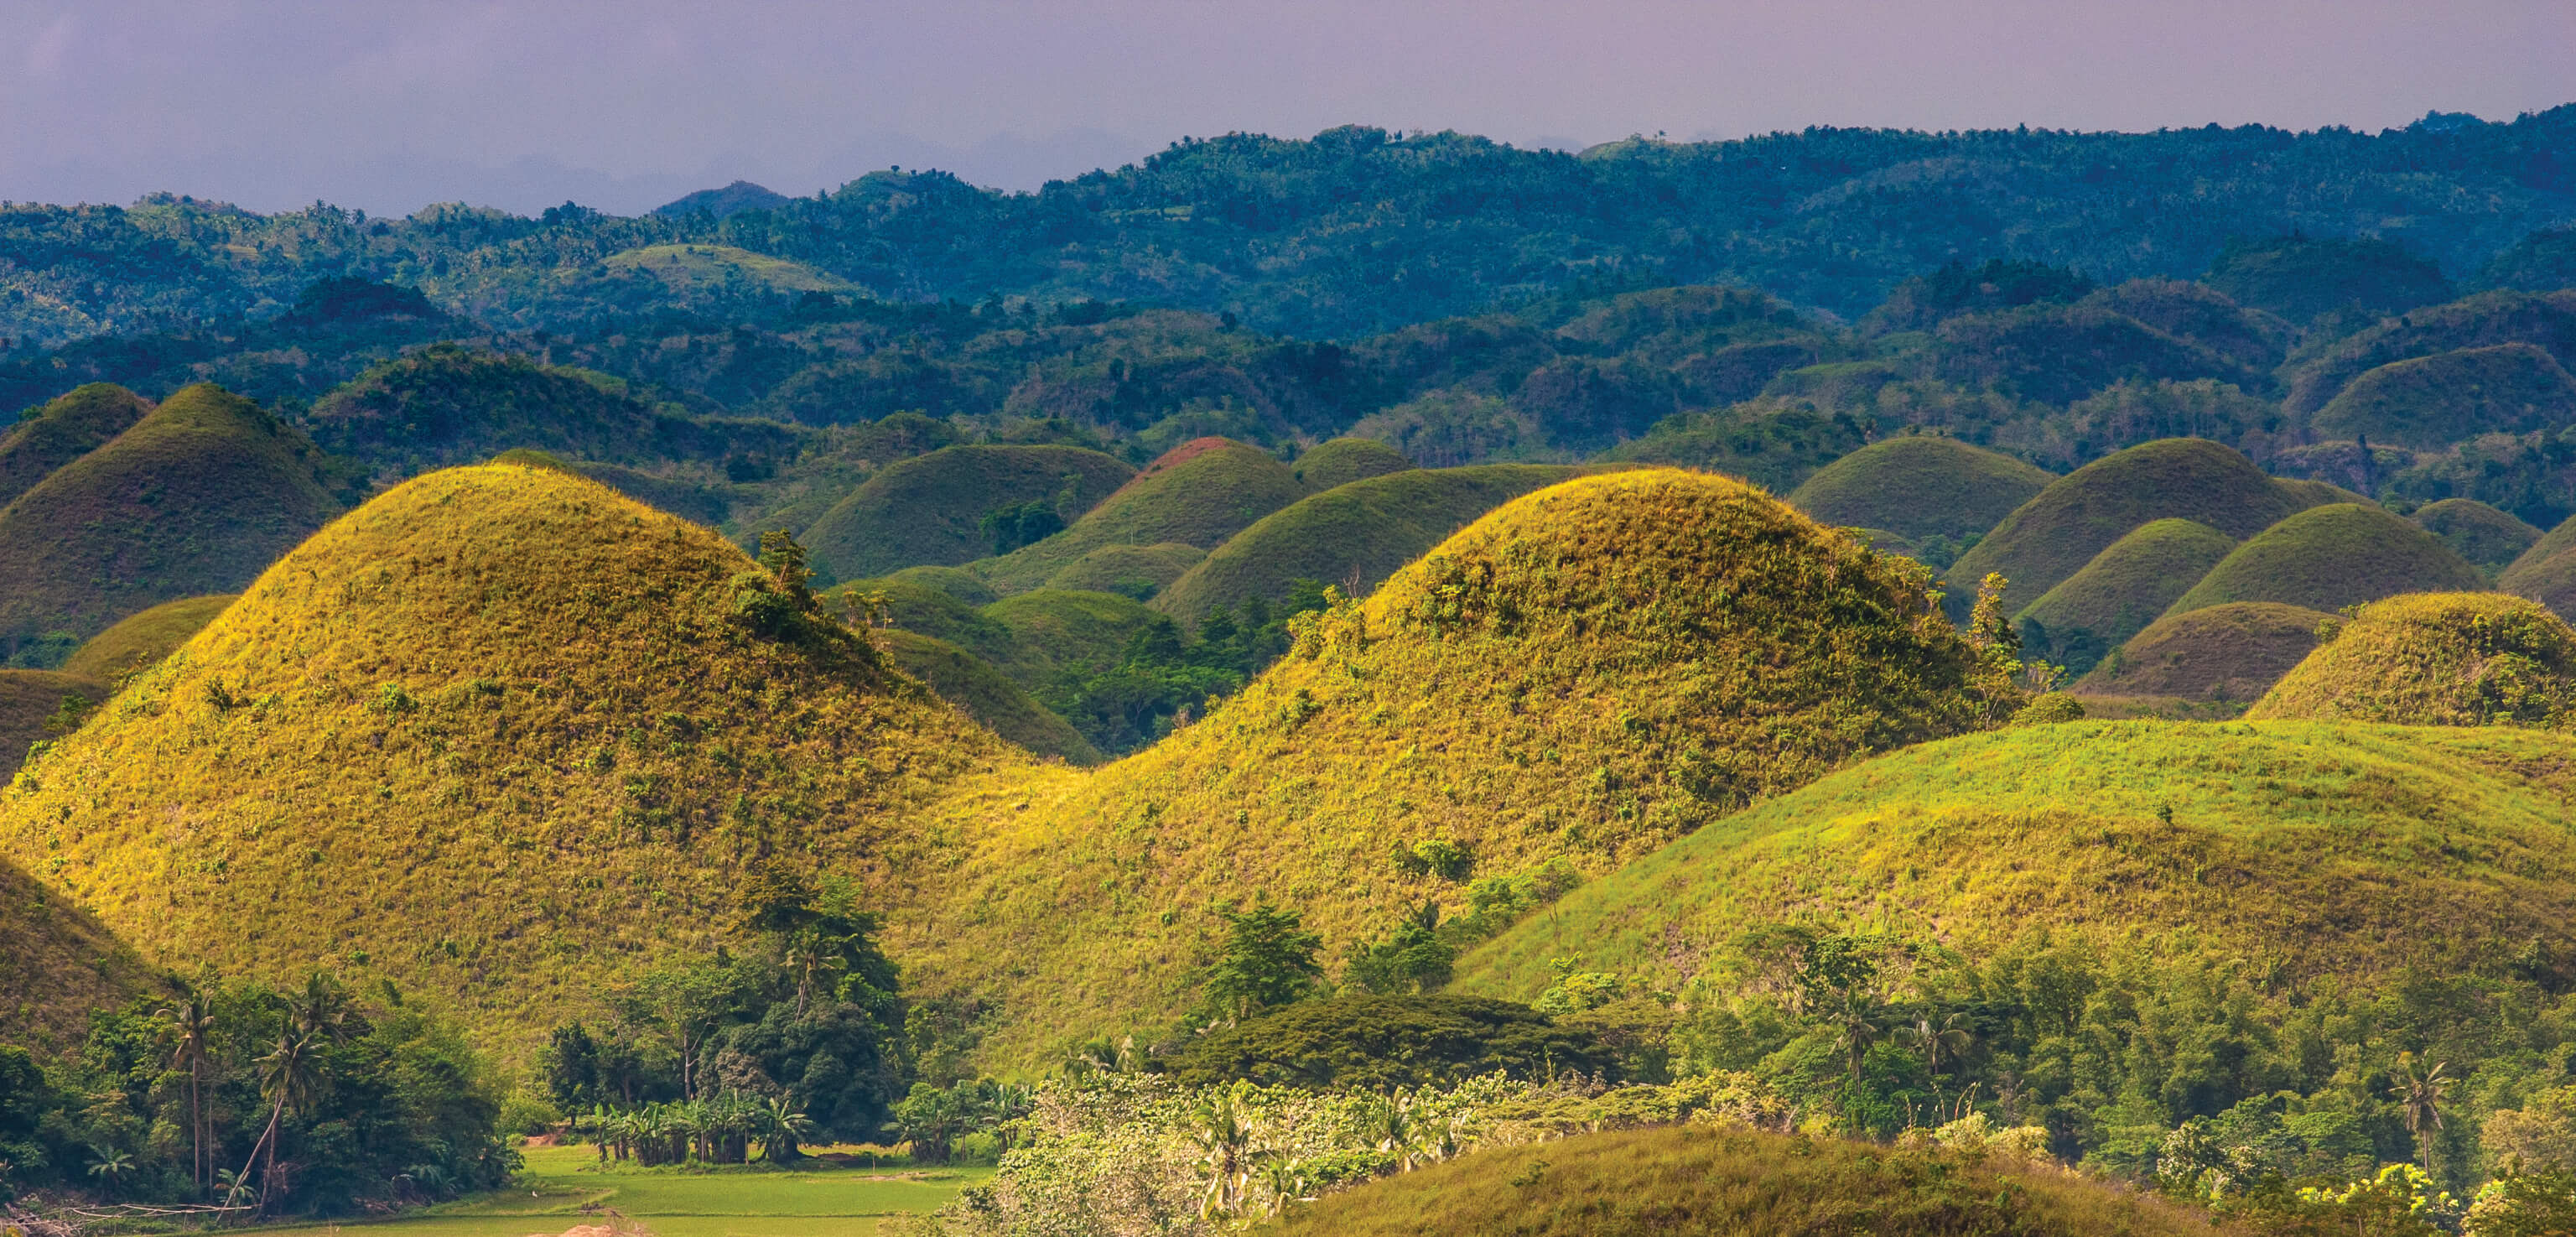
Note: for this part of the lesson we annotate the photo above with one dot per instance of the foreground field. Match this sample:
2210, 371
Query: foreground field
561, 1181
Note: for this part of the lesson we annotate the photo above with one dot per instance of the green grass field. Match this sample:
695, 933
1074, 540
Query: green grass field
755, 1201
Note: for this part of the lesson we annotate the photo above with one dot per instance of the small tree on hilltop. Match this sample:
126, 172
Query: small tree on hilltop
1269, 961
786, 561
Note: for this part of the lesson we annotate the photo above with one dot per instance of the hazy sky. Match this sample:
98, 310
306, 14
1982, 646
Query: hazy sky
388, 106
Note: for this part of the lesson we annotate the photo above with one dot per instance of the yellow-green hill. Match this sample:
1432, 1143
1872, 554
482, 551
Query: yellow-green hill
1138, 571
1057, 629
2326, 558
2431, 402
1344, 460
928, 510
1585, 673
2229, 652
58, 963
2490, 539
1352, 536
985, 694
495, 734
2437, 659
1713, 1180
2546, 572
1920, 486
2080, 514
31, 706
62, 430
142, 640
197, 497
2304, 848
2123, 589
1198, 493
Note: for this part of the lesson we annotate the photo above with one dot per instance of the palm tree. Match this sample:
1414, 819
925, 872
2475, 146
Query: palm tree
1224, 1141
192, 1022
2419, 1094
1947, 1039
111, 1167
322, 1009
1287, 1180
236, 1190
1391, 1122
781, 1128
290, 1077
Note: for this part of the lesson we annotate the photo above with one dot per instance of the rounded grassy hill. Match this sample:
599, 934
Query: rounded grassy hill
140, 641
62, 430
32, 708
2437, 659
986, 694
2229, 652
2547, 319
1583, 674
1341, 461
2546, 572
197, 497
2490, 539
494, 735
2080, 514
1353, 536
1138, 571
929, 510
1198, 494
2325, 558
1059, 629
1713, 1180
2309, 848
1920, 486
2123, 589
2428, 403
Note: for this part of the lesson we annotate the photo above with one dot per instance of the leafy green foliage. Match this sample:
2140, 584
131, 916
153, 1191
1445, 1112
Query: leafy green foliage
1269, 961
2304, 277
1384, 1043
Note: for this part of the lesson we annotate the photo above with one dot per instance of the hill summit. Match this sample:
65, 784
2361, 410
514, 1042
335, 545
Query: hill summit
484, 736
2438, 659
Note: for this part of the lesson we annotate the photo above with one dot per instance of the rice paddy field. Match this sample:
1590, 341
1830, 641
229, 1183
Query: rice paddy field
564, 1187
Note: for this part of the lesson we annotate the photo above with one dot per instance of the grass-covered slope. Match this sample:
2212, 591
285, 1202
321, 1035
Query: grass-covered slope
1138, 571
58, 963
1198, 493
986, 694
1920, 486
1344, 460
928, 510
2080, 514
197, 497
1059, 629
2437, 659
492, 735
62, 430
2431, 402
1587, 672
2547, 320
30, 703
2546, 572
2490, 539
2306, 848
2229, 652
2126, 586
2326, 558
142, 640
1352, 536
1721, 1181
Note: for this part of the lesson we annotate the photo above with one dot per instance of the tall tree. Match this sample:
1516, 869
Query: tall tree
1269, 961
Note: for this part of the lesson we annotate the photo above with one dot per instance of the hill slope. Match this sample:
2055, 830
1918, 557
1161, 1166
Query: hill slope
29, 700
2316, 848
1584, 673
497, 732
195, 498
1353, 535
57, 964
2232, 651
2437, 659
927, 510
1198, 493
62, 430
2079, 515
2122, 590
1920, 486
2431, 402
985, 694
141, 640
2325, 558
1694, 1180
2490, 539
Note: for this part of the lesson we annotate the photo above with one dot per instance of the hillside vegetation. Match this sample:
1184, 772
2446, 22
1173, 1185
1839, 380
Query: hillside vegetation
2437, 659
1920, 486
2311, 848
2432, 402
986, 694
1715, 1179
2079, 515
141, 640
197, 497
2326, 558
1345, 460
2124, 588
61, 430
1199, 493
1352, 536
37, 705
58, 964
1583, 674
492, 736
2490, 539
2233, 651
929, 510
